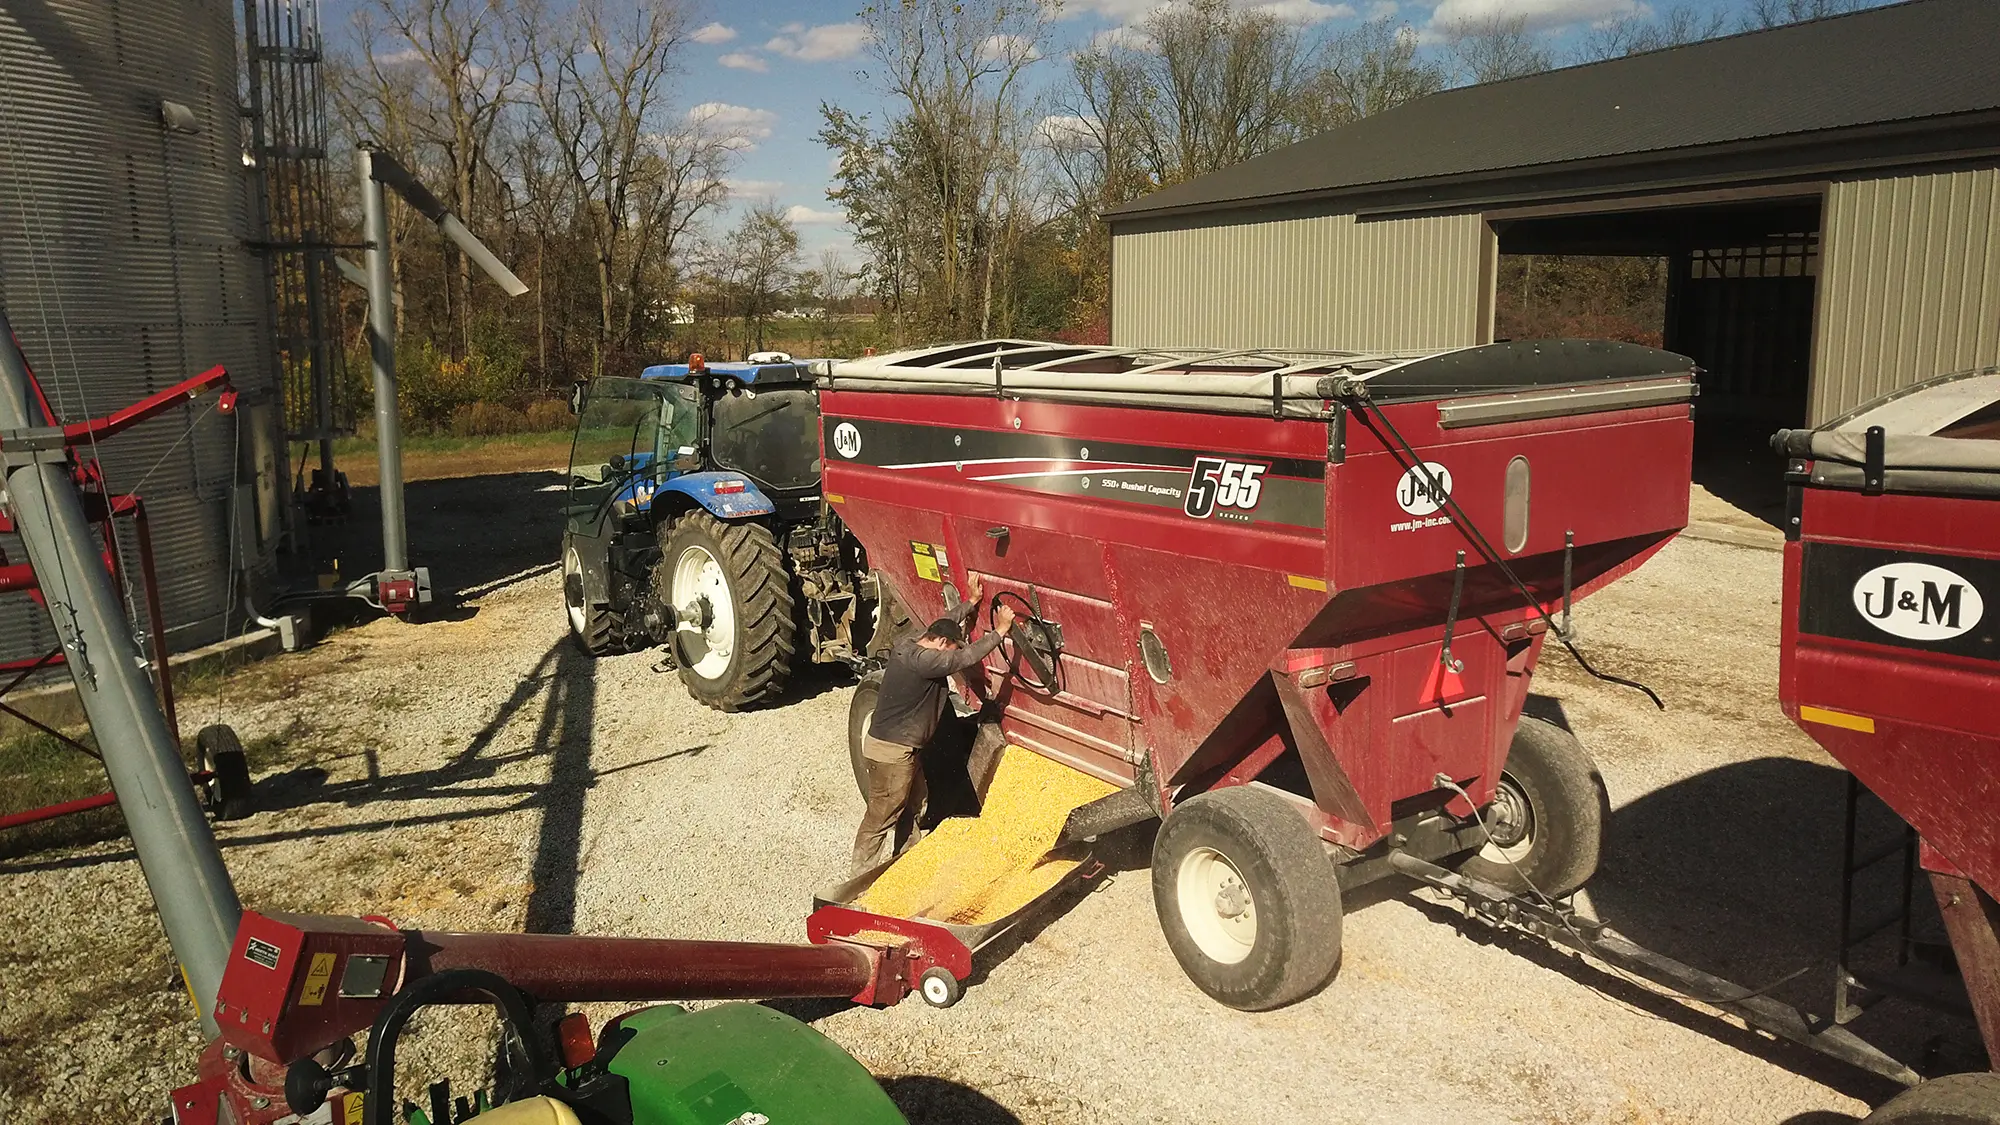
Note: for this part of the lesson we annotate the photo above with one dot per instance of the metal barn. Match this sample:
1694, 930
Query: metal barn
1826, 197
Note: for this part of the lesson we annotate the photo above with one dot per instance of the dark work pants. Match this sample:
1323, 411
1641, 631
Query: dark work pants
895, 792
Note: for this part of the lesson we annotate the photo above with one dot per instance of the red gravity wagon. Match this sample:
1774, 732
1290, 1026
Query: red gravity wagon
1290, 603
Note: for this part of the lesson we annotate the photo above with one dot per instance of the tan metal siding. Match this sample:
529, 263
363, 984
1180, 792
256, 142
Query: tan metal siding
1909, 284
1318, 282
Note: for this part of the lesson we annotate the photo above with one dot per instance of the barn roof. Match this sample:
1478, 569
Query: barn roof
1871, 87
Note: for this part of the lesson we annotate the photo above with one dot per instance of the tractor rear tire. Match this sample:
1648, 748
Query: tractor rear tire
1547, 817
738, 654
593, 627
1247, 897
219, 753
1955, 1099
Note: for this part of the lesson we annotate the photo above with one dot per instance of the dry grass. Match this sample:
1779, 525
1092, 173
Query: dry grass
439, 458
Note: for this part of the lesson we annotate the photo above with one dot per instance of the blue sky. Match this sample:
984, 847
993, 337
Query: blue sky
761, 69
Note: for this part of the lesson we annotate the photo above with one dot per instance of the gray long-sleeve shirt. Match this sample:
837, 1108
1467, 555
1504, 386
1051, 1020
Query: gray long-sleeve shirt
912, 696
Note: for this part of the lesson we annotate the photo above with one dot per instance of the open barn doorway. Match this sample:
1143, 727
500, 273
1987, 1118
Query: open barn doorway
1732, 285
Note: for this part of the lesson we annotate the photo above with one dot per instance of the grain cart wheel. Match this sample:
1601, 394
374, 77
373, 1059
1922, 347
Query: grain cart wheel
225, 794
732, 600
1248, 898
592, 626
1955, 1099
859, 712
939, 988
1546, 822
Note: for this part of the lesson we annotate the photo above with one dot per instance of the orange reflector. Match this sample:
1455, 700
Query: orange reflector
1840, 719
1305, 583
573, 1036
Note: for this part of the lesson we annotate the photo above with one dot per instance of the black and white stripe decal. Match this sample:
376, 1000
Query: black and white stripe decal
1292, 492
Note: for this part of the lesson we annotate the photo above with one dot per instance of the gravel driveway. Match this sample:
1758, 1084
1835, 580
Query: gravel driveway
479, 773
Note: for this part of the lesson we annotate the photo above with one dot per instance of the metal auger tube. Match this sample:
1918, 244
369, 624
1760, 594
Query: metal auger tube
177, 851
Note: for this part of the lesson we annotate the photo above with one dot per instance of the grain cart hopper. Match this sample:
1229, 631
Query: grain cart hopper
1289, 602
695, 521
1891, 661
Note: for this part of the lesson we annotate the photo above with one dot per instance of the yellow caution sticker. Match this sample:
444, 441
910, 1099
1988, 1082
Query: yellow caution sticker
1305, 583
835, 498
350, 1109
925, 556
317, 977
1840, 719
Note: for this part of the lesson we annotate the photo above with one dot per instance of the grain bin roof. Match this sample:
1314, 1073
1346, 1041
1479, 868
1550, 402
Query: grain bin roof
1872, 87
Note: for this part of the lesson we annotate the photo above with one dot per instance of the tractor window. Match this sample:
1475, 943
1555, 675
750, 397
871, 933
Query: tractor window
772, 435
632, 420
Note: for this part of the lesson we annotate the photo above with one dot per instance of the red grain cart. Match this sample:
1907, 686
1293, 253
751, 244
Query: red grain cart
1289, 602
1891, 661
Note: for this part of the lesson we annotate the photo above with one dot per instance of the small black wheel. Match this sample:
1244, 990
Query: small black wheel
939, 988
592, 626
1546, 823
1247, 897
1955, 1099
225, 792
859, 712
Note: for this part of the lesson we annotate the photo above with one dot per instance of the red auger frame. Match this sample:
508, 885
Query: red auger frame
101, 507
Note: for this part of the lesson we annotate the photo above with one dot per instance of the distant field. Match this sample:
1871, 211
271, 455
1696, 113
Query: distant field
435, 458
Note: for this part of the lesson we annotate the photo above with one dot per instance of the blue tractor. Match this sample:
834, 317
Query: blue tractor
695, 520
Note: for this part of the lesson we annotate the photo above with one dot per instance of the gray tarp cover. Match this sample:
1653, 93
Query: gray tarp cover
1910, 417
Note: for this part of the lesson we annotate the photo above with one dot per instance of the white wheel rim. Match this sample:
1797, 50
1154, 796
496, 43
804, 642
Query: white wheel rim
573, 567
936, 991
697, 576
1215, 906
1510, 810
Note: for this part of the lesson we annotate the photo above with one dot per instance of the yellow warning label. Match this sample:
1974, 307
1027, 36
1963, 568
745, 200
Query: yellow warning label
1840, 719
835, 498
1306, 583
350, 1110
925, 557
316, 978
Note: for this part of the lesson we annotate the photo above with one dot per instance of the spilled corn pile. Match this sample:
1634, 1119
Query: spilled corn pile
973, 870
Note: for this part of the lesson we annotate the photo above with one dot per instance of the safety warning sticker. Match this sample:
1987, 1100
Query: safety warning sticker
321, 972
926, 557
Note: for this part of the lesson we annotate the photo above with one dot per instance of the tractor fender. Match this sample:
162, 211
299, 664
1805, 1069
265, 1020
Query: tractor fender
733, 504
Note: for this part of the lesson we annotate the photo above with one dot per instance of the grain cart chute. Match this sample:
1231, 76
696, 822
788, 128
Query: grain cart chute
1289, 602
695, 520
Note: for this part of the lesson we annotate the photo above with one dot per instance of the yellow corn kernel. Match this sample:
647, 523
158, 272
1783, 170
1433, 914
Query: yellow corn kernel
973, 870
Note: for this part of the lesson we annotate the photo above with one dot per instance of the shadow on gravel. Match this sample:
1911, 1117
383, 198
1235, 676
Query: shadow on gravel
940, 1101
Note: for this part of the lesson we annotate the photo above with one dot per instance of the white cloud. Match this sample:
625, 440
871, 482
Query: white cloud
714, 33
1126, 38
1065, 129
1536, 15
1009, 49
824, 43
740, 126
744, 60
1304, 11
754, 189
1382, 9
1123, 11
399, 56
802, 215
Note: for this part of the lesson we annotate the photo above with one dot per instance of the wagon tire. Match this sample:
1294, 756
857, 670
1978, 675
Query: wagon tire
1245, 855
219, 753
762, 634
860, 711
939, 988
1547, 815
592, 626
1955, 1099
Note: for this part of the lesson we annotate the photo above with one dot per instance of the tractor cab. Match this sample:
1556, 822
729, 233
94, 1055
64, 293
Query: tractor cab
758, 419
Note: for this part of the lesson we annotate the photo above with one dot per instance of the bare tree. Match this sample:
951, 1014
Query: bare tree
754, 267
602, 74
461, 65
1494, 49
1372, 67
1676, 27
1777, 13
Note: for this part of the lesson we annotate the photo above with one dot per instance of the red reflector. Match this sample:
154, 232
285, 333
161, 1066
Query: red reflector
573, 1033
730, 486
